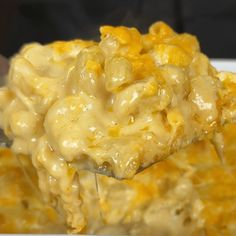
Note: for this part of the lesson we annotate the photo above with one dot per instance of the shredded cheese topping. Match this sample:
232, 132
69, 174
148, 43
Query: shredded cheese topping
116, 106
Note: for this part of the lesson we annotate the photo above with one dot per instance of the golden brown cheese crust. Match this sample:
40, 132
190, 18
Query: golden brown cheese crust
117, 106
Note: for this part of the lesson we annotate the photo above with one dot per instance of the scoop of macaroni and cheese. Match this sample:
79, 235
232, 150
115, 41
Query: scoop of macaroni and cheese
114, 106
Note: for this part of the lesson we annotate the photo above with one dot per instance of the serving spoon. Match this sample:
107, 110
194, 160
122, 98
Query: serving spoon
4, 65
4, 141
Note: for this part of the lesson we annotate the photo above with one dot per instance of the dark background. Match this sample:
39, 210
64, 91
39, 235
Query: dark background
213, 21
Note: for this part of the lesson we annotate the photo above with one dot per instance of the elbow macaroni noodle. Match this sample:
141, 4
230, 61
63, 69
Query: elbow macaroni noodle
116, 106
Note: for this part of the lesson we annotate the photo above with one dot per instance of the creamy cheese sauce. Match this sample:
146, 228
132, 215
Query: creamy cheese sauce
191, 193
116, 106
21, 207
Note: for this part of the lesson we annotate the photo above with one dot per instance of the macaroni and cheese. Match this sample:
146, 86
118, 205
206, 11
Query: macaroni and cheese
191, 193
113, 107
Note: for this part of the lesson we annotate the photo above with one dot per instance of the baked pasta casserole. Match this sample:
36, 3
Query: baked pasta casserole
190, 193
115, 107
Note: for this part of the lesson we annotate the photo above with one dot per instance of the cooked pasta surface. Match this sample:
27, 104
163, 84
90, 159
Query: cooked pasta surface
191, 193
22, 209
116, 106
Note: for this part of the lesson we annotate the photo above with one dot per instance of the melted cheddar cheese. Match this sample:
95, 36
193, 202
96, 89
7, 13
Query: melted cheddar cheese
191, 193
114, 107
22, 209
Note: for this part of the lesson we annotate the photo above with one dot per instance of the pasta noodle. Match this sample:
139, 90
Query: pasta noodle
115, 107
